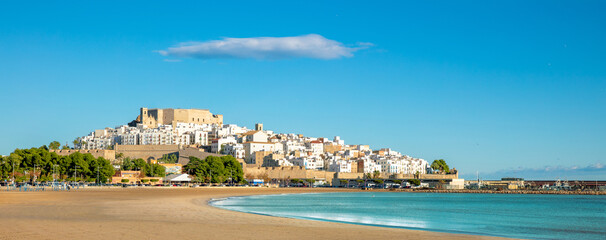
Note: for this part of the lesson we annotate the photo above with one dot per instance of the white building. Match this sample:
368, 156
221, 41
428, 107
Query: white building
308, 163
316, 147
234, 149
340, 166
200, 137
217, 144
254, 136
251, 147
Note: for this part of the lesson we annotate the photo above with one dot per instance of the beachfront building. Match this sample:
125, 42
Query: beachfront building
133, 177
183, 178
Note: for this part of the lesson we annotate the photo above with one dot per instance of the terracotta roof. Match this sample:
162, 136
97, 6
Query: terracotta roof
250, 133
261, 142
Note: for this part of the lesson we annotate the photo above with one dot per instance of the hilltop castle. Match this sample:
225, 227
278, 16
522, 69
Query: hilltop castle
168, 116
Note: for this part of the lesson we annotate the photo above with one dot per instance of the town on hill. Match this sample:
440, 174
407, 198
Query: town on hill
178, 134
194, 145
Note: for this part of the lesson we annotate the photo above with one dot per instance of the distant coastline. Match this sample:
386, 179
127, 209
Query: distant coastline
502, 191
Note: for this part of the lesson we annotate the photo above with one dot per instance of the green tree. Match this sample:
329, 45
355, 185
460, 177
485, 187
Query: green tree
415, 182
440, 165
169, 158
100, 167
233, 168
139, 164
42, 165
54, 145
127, 164
155, 170
222, 151
215, 169
376, 174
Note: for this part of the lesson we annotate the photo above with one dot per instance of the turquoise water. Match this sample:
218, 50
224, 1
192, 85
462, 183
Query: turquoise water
516, 216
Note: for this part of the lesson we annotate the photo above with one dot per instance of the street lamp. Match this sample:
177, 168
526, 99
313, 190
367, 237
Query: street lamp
55, 173
75, 175
13, 171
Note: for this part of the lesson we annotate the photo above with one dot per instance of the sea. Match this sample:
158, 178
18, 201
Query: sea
526, 216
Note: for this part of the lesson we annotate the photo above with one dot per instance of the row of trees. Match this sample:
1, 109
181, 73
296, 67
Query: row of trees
56, 145
38, 164
215, 169
169, 158
147, 169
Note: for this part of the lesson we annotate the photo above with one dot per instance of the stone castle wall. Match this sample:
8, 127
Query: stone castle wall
146, 151
107, 154
186, 152
288, 173
302, 173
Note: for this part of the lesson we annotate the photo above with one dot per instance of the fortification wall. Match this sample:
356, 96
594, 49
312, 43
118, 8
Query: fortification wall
146, 151
302, 173
438, 176
107, 154
288, 173
186, 152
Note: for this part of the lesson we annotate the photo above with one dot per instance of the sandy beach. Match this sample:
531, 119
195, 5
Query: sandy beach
169, 213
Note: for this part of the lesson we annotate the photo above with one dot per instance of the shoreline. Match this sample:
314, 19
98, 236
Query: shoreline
344, 222
521, 191
172, 213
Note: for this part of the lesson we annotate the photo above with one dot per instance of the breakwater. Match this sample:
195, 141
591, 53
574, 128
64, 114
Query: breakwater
502, 191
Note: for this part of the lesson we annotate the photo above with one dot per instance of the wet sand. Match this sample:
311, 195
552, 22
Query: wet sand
169, 213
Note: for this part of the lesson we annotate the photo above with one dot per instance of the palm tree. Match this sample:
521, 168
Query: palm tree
376, 174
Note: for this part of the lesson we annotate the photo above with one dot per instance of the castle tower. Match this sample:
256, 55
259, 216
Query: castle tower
259, 127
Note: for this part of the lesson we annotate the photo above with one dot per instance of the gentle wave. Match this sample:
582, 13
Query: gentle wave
518, 216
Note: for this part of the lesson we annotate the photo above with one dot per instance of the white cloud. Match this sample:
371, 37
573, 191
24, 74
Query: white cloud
306, 46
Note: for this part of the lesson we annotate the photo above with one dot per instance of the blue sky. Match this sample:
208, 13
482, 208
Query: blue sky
503, 88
